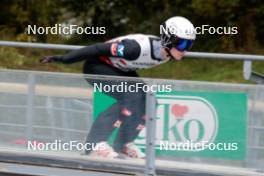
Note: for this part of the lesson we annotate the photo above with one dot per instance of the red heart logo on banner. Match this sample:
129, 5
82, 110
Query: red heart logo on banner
178, 110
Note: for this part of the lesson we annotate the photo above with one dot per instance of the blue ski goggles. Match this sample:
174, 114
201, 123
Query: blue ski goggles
182, 44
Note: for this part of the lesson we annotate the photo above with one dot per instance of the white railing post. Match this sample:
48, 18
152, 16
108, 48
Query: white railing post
247, 68
30, 105
150, 134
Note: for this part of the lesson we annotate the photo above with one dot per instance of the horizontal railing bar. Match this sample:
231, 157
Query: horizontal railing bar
39, 45
43, 127
18, 134
225, 56
45, 108
188, 54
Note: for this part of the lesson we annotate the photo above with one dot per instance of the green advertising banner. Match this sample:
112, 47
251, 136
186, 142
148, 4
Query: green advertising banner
204, 124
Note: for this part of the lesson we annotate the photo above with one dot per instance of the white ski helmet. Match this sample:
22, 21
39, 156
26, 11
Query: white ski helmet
177, 29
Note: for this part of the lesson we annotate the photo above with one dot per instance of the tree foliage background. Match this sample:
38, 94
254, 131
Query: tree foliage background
136, 16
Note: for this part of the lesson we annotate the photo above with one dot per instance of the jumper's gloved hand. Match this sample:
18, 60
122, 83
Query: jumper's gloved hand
48, 59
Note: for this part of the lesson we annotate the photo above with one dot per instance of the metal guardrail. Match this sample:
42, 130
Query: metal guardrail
247, 68
150, 165
44, 87
188, 54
